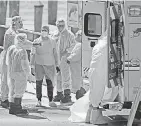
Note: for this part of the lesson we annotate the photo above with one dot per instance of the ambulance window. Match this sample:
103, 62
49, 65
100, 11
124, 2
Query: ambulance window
92, 24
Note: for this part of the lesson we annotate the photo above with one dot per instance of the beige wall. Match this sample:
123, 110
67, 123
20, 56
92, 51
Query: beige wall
27, 12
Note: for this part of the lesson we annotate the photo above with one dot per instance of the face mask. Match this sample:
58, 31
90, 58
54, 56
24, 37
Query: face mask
44, 34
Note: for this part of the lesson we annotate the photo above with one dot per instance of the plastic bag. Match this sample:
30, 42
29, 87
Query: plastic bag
110, 94
79, 109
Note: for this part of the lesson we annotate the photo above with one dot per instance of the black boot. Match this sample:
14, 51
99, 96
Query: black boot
49, 89
58, 97
19, 110
12, 108
5, 104
67, 97
39, 89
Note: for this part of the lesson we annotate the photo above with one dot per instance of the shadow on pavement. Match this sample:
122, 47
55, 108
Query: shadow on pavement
31, 117
40, 111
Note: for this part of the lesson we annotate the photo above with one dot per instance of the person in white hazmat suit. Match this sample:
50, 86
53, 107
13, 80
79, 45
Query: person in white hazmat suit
8, 41
75, 60
59, 95
44, 62
97, 78
86, 109
18, 72
65, 44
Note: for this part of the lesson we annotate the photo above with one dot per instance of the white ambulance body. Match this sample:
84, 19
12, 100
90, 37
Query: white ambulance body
94, 24
123, 51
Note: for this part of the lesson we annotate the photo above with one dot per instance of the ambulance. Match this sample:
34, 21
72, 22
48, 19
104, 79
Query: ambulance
122, 19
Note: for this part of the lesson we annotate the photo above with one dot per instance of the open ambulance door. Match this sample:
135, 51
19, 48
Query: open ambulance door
94, 24
132, 49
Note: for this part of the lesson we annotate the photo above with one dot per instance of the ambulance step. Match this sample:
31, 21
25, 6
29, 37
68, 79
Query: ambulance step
127, 105
113, 106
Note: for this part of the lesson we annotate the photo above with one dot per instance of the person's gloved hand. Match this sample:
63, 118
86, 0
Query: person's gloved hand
57, 69
33, 71
37, 44
137, 30
68, 62
30, 78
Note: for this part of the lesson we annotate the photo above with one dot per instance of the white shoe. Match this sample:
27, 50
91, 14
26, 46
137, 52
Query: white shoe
97, 117
39, 104
52, 104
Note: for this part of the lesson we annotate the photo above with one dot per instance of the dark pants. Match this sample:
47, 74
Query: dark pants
49, 89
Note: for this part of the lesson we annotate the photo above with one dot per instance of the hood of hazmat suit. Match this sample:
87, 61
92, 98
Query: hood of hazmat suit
17, 22
22, 42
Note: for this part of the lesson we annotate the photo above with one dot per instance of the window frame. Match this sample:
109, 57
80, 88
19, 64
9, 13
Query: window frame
86, 25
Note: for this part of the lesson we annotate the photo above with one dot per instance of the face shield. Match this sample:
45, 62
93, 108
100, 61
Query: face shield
60, 25
20, 24
17, 22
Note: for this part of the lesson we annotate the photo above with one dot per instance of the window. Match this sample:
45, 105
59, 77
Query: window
134, 11
92, 24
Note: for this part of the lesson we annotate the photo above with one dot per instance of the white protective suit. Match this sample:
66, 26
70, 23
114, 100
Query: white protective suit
18, 67
98, 80
8, 41
65, 45
75, 67
98, 72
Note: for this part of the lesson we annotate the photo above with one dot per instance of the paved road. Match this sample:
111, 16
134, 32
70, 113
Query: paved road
44, 116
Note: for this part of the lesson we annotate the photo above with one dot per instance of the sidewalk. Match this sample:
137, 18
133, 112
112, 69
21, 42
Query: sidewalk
43, 117
46, 116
